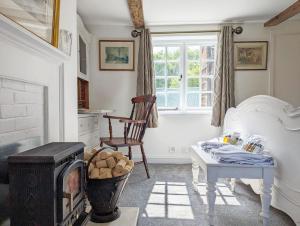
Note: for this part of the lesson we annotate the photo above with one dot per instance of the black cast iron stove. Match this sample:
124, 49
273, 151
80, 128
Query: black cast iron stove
46, 186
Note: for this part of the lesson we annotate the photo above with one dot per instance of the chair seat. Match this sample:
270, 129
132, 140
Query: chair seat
119, 142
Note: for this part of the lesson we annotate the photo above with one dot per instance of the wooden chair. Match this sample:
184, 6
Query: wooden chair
134, 127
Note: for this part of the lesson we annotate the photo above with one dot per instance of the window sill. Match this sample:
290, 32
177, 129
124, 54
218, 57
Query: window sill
178, 112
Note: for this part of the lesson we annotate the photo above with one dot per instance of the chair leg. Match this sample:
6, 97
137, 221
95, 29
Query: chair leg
145, 160
129, 153
101, 144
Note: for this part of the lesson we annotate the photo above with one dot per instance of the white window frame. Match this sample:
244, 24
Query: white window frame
183, 108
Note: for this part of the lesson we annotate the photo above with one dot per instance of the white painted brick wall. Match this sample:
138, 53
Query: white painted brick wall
26, 123
7, 125
28, 98
33, 88
13, 84
12, 111
21, 111
6, 96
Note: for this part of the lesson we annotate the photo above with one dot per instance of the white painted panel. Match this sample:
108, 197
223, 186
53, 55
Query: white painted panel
287, 68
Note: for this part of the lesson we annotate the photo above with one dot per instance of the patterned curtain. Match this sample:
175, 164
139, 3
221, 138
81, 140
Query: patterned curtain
145, 78
224, 80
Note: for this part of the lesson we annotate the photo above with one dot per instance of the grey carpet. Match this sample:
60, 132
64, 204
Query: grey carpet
168, 199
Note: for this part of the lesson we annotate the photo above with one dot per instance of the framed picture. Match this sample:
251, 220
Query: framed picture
116, 55
250, 55
40, 17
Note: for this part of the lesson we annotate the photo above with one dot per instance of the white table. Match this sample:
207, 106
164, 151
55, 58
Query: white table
214, 170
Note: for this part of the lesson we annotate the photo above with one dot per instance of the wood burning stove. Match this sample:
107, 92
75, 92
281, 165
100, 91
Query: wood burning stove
46, 185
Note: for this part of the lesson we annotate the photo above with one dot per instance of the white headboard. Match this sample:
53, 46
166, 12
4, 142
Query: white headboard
279, 123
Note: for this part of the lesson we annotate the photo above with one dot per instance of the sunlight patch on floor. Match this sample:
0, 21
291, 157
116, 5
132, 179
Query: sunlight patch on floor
224, 195
169, 200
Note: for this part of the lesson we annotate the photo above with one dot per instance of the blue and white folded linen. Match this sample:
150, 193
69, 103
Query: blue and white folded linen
239, 156
209, 145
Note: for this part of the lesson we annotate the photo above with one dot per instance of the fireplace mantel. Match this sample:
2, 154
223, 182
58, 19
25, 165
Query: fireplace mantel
23, 38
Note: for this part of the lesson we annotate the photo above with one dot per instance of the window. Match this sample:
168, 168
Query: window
184, 71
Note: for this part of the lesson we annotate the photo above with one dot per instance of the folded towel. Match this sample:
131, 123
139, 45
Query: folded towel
239, 156
211, 144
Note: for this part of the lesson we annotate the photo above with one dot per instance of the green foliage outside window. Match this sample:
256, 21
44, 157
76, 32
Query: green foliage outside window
173, 53
194, 69
159, 69
173, 69
173, 83
193, 53
159, 53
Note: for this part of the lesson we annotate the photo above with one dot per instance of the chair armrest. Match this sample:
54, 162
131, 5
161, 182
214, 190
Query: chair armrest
114, 117
133, 121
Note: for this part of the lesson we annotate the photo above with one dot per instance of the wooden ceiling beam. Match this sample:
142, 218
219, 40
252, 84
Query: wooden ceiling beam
284, 15
136, 12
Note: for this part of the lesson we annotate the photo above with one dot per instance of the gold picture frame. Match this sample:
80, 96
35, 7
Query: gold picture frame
116, 55
40, 17
252, 55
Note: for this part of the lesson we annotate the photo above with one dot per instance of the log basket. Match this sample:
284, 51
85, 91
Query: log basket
103, 195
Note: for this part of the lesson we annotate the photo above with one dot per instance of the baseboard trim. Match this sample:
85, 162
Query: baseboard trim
166, 160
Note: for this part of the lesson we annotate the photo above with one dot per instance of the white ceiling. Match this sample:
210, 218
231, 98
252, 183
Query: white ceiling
175, 12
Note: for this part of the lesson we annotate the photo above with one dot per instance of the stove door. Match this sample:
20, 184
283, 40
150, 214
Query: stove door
70, 191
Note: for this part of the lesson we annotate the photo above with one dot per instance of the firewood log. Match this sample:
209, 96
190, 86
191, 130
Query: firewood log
105, 173
121, 164
117, 154
111, 162
95, 173
131, 163
104, 155
87, 155
93, 151
101, 164
118, 173
128, 167
104, 170
91, 167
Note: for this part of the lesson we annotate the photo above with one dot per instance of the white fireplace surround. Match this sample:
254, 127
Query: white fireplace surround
28, 61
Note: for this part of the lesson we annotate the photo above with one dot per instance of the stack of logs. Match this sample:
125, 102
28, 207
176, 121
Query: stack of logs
108, 164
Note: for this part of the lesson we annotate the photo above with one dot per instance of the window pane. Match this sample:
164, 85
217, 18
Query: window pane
206, 84
193, 84
193, 52
173, 69
173, 53
193, 69
173, 100
206, 100
159, 53
160, 84
161, 100
173, 83
193, 100
159, 69
208, 68
208, 52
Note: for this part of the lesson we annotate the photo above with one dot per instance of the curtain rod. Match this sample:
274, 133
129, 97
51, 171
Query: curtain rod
135, 33
184, 32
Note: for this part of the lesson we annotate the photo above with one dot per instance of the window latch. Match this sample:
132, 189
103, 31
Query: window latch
180, 78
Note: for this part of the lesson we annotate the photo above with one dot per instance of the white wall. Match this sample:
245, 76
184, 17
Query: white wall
19, 62
68, 21
113, 90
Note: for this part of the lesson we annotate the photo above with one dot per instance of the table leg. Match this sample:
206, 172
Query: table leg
266, 196
195, 171
232, 184
211, 198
